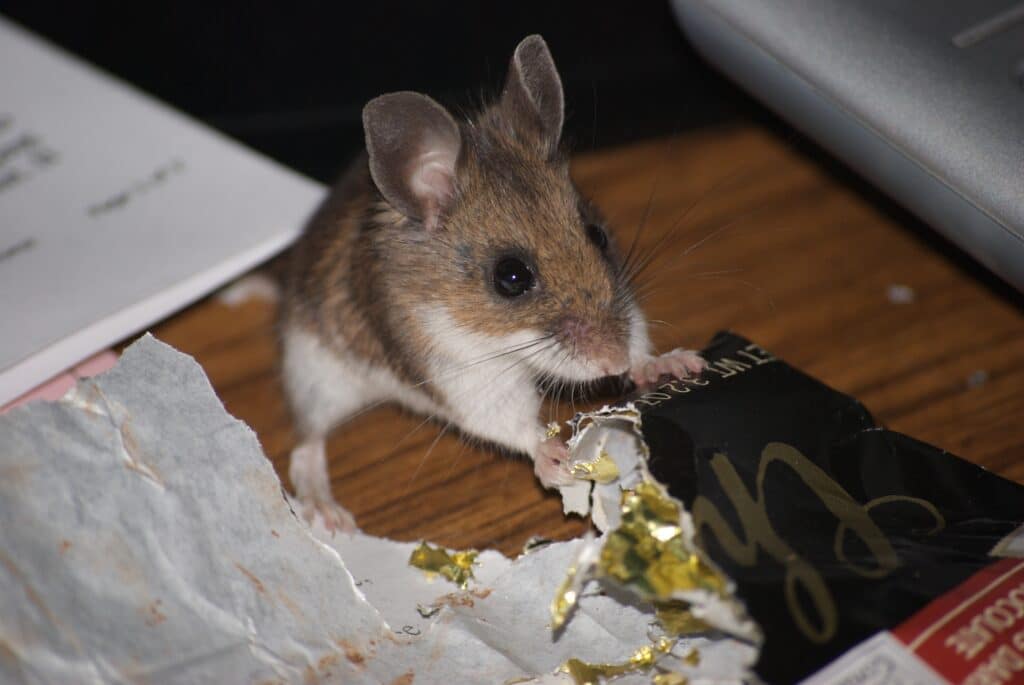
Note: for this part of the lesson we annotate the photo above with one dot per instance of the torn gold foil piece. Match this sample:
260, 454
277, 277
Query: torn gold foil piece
455, 566
677, 620
641, 661
565, 599
576, 575
554, 429
601, 470
648, 552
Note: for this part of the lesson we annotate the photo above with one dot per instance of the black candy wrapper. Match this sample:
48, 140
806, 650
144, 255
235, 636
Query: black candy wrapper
832, 527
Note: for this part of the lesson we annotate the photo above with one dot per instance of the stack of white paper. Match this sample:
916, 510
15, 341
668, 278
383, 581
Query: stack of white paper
115, 210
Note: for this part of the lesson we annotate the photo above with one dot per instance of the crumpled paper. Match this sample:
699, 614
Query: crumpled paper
144, 537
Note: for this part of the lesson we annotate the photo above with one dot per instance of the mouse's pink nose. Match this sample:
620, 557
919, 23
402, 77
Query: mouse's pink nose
587, 341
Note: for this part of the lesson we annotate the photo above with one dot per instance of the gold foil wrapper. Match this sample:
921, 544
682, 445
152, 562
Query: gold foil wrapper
575, 576
601, 470
648, 552
647, 549
641, 661
455, 566
565, 599
676, 619
553, 429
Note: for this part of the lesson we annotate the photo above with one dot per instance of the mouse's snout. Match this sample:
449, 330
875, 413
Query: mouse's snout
593, 346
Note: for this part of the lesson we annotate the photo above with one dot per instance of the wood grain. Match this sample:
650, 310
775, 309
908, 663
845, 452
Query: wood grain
753, 233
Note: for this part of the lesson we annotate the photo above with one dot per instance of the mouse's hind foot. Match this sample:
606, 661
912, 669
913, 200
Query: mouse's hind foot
334, 517
308, 472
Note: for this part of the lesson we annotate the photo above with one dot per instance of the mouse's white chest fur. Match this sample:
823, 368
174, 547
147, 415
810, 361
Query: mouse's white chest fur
487, 382
326, 387
480, 385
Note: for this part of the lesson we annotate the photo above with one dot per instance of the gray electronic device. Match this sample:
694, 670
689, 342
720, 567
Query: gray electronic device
925, 99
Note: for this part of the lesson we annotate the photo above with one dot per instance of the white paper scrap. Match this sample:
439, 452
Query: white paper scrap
144, 537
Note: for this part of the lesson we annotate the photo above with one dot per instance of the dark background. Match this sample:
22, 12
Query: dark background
291, 80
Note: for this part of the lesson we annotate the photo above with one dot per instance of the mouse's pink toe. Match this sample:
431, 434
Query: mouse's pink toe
685, 362
334, 517
679, 363
551, 464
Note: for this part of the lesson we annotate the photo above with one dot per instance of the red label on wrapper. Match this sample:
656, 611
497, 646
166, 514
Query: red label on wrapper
974, 634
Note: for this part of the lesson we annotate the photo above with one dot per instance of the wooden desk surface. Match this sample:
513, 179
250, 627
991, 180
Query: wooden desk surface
769, 240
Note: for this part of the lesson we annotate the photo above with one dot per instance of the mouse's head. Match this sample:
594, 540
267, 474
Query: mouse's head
500, 251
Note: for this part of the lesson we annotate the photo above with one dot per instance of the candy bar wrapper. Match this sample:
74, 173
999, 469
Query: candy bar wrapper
756, 527
861, 554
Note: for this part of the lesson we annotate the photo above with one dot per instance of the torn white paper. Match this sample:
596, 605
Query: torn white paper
145, 537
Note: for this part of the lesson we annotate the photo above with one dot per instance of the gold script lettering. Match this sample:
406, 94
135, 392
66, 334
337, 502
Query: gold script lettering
757, 532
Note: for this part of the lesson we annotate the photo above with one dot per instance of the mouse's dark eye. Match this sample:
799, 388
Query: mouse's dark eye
597, 236
512, 277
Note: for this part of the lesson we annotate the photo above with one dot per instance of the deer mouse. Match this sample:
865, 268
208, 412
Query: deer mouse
451, 270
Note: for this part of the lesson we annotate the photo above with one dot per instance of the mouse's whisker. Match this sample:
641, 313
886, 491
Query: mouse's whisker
445, 374
426, 455
573, 388
560, 384
643, 223
753, 286
463, 446
553, 388
459, 368
669, 152
632, 268
666, 324
478, 387
657, 285
644, 297
457, 398
486, 382
677, 260
636, 268
648, 254
416, 429
367, 408
718, 231
523, 360
546, 382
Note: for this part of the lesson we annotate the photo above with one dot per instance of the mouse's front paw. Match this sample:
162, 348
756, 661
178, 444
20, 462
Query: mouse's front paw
551, 464
679, 363
335, 518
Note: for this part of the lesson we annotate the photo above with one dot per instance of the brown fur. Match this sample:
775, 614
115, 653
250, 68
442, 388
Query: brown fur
361, 267
408, 242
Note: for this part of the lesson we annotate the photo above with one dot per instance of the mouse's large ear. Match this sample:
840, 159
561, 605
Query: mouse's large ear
413, 144
532, 96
